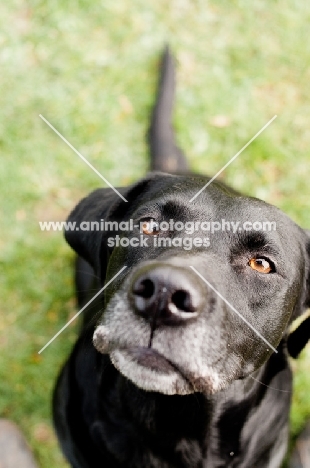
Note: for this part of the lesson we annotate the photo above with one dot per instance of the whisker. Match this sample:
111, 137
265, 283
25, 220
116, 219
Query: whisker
88, 273
269, 386
258, 381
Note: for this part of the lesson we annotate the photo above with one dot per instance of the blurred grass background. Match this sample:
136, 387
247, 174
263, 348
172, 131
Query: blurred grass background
91, 68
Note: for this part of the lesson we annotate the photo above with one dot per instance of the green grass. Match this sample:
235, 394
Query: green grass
91, 69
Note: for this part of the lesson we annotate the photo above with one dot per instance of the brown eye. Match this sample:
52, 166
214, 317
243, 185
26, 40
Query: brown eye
150, 228
261, 265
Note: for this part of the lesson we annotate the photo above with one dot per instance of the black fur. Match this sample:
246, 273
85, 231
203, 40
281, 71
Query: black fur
173, 378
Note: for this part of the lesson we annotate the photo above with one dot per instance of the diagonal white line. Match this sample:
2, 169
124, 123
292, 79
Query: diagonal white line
233, 158
232, 308
82, 157
83, 308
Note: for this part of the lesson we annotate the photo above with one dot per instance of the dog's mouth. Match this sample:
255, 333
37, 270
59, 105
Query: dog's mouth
151, 359
150, 370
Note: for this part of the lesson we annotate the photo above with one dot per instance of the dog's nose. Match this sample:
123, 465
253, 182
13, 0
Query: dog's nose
167, 295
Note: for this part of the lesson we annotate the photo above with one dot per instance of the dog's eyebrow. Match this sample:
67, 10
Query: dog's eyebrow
256, 241
178, 210
169, 208
152, 210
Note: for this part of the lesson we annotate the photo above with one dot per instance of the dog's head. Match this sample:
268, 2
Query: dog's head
198, 306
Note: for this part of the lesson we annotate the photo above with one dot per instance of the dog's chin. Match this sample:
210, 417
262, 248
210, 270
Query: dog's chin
150, 371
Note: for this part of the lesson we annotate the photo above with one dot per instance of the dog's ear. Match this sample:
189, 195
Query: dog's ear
307, 302
91, 209
298, 339
103, 204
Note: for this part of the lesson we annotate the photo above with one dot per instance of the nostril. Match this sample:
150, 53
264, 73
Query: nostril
165, 295
183, 301
144, 288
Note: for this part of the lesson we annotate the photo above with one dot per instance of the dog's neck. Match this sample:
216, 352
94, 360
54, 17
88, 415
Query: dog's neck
152, 423
178, 428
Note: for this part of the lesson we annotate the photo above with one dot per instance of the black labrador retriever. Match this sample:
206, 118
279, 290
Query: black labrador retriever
183, 360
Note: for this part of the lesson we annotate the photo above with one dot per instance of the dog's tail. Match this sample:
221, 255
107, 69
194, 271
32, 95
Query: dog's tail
164, 152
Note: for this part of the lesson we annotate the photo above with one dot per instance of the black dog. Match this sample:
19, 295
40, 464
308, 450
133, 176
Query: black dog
165, 373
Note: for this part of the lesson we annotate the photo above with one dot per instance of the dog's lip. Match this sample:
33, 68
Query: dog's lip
150, 370
143, 356
150, 358
146, 357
